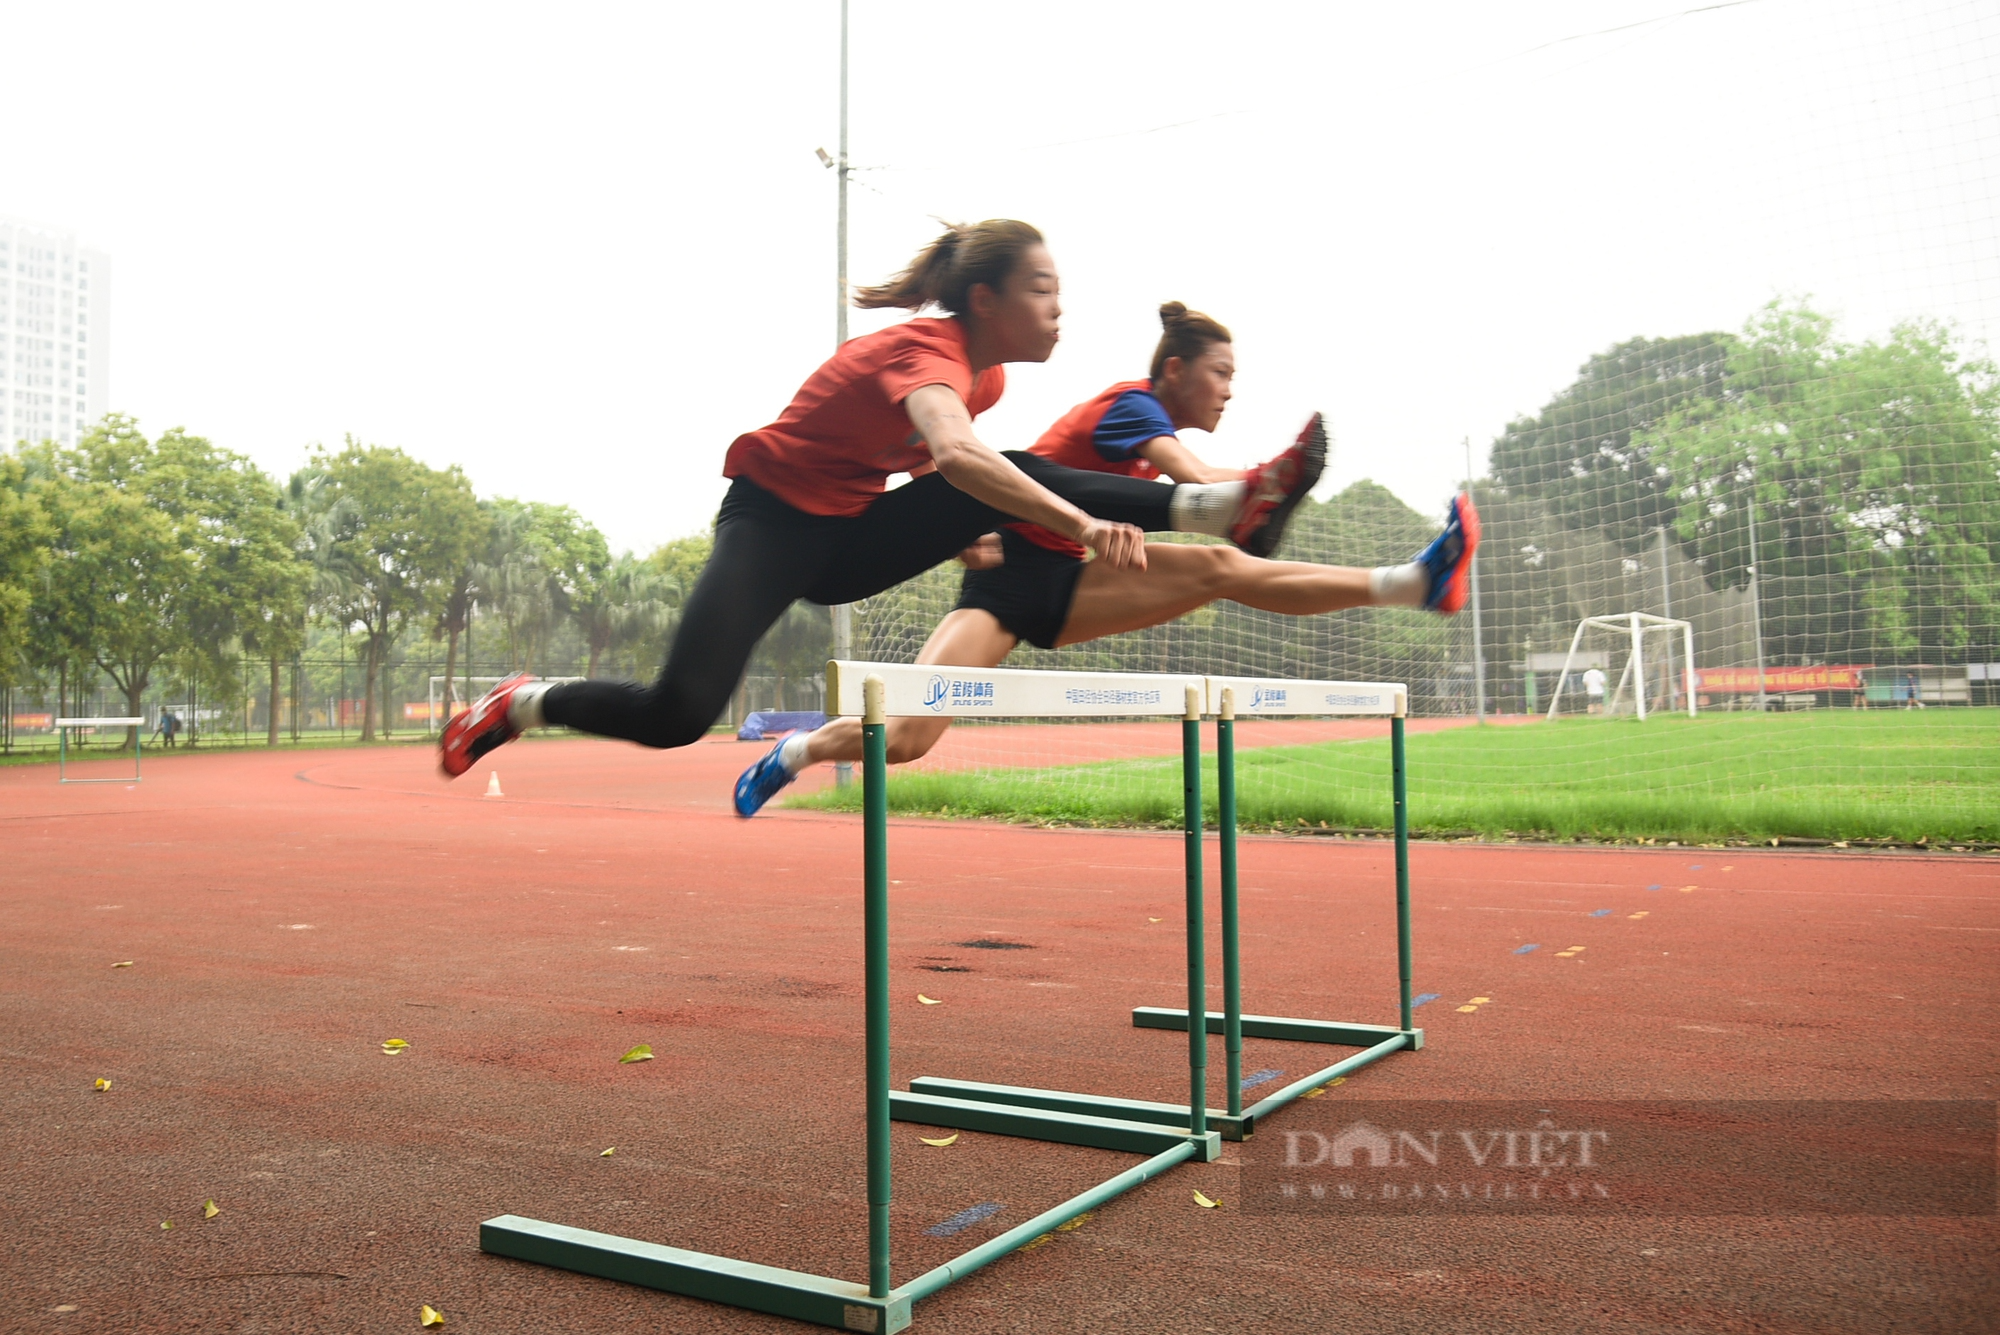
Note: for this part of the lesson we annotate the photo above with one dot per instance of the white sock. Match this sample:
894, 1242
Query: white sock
524, 711
792, 752
1399, 586
1205, 507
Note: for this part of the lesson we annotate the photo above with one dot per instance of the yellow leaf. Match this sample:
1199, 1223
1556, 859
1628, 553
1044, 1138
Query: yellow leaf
1204, 1202
392, 1046
951, 1139
166, 1224
103, 1084
606, 1154
430, 1316
210, 1210
928, 1001
641, 1052
1152, 920
122, 964
1481, 1001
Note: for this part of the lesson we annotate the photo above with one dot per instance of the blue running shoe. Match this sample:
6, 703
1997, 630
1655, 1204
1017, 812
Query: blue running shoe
1449, 557
761, 782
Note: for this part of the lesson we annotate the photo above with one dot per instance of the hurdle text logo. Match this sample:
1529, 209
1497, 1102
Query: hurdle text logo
941, 693
1267, 697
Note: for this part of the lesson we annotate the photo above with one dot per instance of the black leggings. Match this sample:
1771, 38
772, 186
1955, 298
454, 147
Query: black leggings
768, 555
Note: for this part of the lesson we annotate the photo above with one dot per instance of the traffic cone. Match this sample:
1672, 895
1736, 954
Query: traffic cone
493, 785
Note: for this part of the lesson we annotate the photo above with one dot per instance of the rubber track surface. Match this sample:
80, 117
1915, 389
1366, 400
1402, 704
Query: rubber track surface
286, 913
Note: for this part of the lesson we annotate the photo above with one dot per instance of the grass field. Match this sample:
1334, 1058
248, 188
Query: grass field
1905, 776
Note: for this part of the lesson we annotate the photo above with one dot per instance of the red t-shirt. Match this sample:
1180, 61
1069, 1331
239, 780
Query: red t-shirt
1074, 441
846, 430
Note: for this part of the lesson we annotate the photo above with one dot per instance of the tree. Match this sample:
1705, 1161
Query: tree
541, 564
168, 550
630, 606
1587, 455
393, 533
24, 554
1868, 471
458, 597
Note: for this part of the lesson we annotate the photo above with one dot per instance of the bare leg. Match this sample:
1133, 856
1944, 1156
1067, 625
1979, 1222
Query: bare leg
967, 638
1179, 579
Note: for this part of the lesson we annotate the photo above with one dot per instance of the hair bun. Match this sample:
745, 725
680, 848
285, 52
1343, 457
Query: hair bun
1172, 313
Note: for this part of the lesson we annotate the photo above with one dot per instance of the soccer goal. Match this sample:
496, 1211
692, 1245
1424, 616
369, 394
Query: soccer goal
1649, 681
474, 688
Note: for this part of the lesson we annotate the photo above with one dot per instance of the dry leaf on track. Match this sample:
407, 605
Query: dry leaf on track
641, 1052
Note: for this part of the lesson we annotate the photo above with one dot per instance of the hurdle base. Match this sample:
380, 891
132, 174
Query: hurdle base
1376, 1041
760, 1288
1089, 1105
1065, 1122
1277, 1026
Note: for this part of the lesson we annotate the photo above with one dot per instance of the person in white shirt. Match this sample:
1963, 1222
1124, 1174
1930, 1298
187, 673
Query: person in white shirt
1593, 688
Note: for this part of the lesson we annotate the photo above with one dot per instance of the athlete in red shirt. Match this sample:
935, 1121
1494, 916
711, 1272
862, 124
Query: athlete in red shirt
1029, 583
807, 515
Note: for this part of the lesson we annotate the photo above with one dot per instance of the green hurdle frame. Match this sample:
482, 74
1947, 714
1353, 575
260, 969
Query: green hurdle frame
1166, 1133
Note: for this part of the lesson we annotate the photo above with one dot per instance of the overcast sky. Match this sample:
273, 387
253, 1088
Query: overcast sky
578, 249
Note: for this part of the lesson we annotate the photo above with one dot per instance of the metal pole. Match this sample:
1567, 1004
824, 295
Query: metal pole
1756, 608
843, 615
1232, 969
1399, 786
1667, 611
1197, 950
1478, 641
875, 932
1687, 644
1639, 667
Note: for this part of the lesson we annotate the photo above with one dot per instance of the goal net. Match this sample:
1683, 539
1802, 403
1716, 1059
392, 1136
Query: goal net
1798, 500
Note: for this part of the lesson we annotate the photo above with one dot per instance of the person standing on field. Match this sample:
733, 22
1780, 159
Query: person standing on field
808, 516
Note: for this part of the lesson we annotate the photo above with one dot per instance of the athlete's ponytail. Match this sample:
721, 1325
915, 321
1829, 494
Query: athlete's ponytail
945, 272
1185, 334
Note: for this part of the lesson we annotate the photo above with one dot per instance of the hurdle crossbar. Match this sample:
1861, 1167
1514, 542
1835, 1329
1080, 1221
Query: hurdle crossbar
63, 727
1168, 1133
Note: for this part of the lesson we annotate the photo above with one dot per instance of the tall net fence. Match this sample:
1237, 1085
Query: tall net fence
1820, 505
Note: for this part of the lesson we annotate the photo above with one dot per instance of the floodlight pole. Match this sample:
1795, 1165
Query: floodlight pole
1478, 644
843, 615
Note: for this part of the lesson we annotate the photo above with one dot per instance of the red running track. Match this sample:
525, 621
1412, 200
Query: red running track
286, 913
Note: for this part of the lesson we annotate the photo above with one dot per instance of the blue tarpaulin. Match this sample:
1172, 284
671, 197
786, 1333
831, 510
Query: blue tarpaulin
768, 723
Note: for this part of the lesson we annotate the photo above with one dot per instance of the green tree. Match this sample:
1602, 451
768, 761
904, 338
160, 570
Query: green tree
390, 535
24, 555
1869, 472
630, 607
1587, 455
167, 551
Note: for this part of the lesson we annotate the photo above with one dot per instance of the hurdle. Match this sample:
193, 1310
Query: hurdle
63, 726
1167, 1134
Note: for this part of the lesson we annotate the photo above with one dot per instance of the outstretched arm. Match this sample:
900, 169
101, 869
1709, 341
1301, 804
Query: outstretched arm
1180, 463
976, 469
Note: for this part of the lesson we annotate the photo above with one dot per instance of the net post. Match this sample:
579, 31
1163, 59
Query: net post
1397, 780
1232, 969
1197, 949
875, 931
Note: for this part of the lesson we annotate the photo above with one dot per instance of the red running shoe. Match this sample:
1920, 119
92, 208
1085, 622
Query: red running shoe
479, 729
1448, 559
1274, 489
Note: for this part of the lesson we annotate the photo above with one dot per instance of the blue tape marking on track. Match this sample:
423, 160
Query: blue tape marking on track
1532, 945
1599, 913
1259, 1078
965, 1219
1694, 866
1654, 887
1422, 997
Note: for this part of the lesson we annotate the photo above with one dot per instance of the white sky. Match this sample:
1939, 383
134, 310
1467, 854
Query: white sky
579, 250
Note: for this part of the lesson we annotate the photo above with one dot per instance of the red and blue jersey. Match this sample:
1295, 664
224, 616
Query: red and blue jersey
1103, 435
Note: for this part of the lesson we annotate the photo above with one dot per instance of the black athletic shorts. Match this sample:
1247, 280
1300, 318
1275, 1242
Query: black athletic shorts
1029, 593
